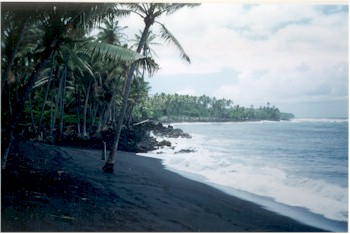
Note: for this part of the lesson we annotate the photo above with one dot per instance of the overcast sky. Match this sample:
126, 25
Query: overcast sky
294, 56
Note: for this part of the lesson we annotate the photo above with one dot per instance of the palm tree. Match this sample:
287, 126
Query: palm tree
150, 12
138, 94
149, 41
76, 67
14, 26
50, 44
61, 24
140, 87
48, 85
111, 32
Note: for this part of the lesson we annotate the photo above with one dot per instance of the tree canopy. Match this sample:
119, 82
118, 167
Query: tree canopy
55, 76
57, 79
178, 108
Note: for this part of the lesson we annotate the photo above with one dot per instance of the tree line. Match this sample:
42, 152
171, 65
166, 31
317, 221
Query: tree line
54, 74
178, 108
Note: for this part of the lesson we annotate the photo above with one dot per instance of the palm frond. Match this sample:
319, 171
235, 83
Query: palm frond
28, 48
111, 52
81, 63
149, 64
169, 38
41, 82
122, 12
171, 8
75, 62
137, 8
83, 55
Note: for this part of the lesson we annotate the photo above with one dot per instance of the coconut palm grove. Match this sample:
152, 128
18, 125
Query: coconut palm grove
57, 79
86, 146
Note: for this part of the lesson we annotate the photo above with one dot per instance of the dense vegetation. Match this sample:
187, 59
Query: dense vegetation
55, 75
56, 78
177, 108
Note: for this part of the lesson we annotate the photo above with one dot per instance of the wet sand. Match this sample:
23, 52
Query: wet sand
53, 189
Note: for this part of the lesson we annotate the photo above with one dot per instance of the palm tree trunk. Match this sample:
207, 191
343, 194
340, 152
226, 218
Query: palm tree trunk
77, 103
129, 115
62, 102
52, 120
94, 111
31, 111
19, 107
109, 165
45, 98
107, 113
100, 118
112, 115
85, 108
6, 74
57, 102
9, 99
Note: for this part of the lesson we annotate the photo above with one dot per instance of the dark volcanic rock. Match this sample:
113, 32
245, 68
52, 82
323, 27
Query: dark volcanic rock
185, 151
164, 143
132, 139
170, 131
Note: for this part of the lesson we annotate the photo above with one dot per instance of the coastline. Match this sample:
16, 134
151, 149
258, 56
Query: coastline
50, 188
209, 157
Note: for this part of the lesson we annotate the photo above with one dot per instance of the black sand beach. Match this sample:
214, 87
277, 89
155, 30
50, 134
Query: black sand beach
49, 188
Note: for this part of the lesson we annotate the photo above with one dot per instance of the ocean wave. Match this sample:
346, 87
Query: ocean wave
320, 120
247, 175
213, 160
316, 195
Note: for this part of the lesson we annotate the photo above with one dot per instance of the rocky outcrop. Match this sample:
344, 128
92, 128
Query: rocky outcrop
159, 130
185, 151
135, 138
164, 143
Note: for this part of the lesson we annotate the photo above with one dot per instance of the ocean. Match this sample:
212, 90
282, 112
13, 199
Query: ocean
297, 168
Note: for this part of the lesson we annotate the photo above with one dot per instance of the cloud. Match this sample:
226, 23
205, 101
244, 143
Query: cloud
290, 86
303, 67
282, 53
294, 34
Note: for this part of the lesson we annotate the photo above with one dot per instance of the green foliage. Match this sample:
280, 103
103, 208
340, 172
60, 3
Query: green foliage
82, 79
111, 52
174, 107
77, 74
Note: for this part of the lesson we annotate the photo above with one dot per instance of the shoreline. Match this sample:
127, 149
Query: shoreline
308, 211
50, 188
298, 214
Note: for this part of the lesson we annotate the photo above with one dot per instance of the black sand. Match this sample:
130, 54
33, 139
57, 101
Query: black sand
49, 188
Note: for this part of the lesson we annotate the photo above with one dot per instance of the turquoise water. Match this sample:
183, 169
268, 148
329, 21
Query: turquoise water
297, 168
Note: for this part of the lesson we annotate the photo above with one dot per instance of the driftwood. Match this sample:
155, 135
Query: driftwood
104, 151
144, 121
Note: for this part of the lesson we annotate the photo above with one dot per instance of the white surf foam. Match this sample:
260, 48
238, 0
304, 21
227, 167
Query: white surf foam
320, 120
211, 164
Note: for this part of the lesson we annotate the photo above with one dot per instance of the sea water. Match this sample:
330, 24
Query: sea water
297, 168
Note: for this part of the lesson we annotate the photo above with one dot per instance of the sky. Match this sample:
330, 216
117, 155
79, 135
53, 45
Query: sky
294, 56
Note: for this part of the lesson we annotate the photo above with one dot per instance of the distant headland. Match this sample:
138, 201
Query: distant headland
185, 108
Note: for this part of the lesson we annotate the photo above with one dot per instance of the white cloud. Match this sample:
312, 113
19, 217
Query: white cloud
282, 52
205, 36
